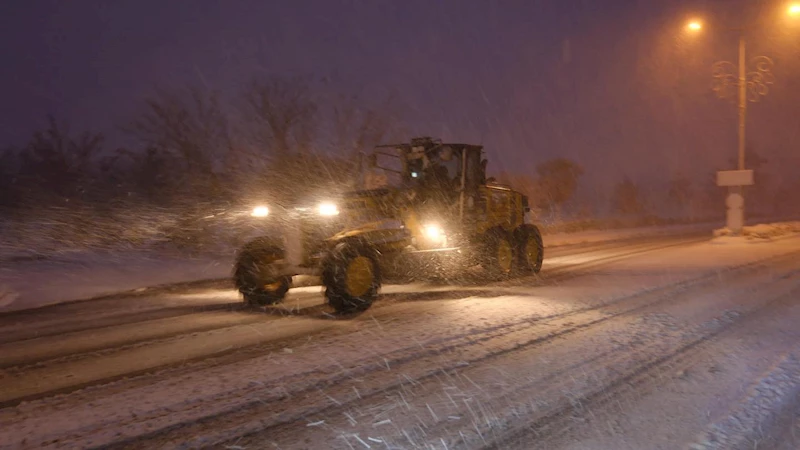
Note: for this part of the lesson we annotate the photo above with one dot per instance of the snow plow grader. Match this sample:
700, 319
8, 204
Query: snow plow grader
416, 202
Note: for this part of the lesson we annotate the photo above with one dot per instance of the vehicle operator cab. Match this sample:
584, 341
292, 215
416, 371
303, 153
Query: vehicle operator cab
442, 172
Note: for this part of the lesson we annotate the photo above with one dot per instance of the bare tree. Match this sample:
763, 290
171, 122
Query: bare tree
9, 172
148, 174
681, 194
626, 198
557, 182
786, 201
310, 140
190, 123
54, 163
358, 128
284, 112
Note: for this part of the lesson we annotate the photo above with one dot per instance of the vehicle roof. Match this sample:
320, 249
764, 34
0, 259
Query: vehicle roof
437, 144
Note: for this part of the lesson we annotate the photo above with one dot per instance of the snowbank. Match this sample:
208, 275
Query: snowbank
35, 283
48, 235
758, 233
587, 237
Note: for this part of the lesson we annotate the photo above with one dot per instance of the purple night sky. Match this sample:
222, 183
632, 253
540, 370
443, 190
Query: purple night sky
629, 93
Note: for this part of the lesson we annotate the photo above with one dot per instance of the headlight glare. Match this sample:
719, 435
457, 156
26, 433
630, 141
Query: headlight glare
328, 209
434, 232
260, 211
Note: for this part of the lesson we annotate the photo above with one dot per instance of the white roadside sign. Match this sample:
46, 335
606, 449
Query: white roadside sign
735, 178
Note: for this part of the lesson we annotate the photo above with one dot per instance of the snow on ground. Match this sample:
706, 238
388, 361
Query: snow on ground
764, 403
759, 232
30, 283
451, 372
592, 236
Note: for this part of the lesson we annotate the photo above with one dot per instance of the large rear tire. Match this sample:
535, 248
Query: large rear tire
498, 254
351, 276
258, 287
529, 248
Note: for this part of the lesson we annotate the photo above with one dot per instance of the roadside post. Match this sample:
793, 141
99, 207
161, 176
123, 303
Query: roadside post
735, 180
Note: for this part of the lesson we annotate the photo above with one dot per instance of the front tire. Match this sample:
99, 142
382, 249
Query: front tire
257, 286
351, 276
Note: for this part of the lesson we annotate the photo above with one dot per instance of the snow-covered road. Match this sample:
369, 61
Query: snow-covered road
661, 342
30, 280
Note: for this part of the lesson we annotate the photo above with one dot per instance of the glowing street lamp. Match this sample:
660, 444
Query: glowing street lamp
750, 86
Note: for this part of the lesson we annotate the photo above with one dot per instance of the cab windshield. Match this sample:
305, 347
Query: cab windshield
396, 168
385, 168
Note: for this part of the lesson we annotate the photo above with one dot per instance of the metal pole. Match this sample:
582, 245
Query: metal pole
462, 195
742, 100
738, 221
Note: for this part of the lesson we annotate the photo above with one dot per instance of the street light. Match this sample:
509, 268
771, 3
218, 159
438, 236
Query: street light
751, 86
694, 26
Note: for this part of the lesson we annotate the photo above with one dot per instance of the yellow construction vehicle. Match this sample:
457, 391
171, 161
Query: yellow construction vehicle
417, 201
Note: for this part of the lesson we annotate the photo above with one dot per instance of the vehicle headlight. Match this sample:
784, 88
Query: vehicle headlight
328, 209
434, 232
260, 211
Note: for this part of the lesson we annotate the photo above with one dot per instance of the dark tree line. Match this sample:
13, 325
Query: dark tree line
554, 192
278, 138
285, 140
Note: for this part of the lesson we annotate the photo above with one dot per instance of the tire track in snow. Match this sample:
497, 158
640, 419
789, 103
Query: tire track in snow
537, 386
104, 340
243, 412
23, 355
677, 364
142, 306
449, 373
560, 274
760, 414
640, 374
228, 345
22, 329
129, 383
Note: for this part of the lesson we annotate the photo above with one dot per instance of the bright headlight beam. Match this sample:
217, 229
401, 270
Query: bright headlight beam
260, 211
433, 232
328, 209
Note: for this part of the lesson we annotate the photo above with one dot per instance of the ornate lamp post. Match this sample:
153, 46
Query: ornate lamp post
729, 81
750, 86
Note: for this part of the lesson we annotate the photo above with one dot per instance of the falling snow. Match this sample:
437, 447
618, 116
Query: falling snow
146, 145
